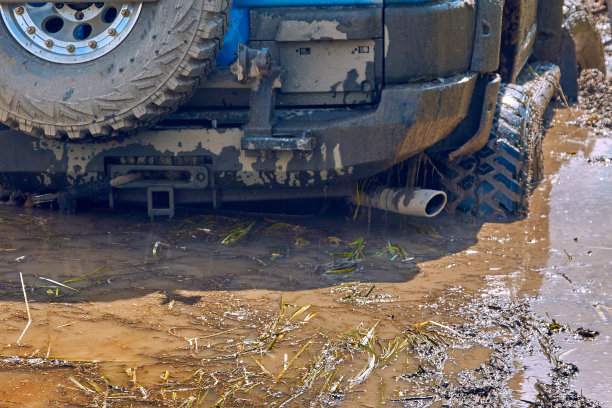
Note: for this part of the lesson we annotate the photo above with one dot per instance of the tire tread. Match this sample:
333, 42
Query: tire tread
500, 176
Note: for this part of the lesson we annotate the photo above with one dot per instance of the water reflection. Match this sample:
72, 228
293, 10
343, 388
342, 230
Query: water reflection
577, 286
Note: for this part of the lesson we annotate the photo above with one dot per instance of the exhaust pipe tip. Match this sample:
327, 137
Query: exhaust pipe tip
436, 204
419, 203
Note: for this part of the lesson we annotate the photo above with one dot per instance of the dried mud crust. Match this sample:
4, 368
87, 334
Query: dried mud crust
582, 26
595, 97
598, 8
149, 75
595, 90
498, 179
581, 45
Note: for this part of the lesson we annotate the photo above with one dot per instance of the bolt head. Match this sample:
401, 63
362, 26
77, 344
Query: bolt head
31, 30
48, 43
70, 48
19, 10
112, 32
93, 45
125, 13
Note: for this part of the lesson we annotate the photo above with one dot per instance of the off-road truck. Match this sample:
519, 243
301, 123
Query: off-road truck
203, 101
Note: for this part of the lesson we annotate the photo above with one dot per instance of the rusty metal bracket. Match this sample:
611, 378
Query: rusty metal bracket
256, 67
251, 64
263, 103
258, 132
479, 140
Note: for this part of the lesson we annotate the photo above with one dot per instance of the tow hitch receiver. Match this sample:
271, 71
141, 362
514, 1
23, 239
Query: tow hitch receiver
159, 182
160, 201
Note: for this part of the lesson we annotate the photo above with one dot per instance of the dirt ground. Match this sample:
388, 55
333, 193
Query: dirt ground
242, 310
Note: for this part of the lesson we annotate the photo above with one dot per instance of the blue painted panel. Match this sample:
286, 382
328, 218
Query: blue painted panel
239, 18
407, 1
299, 3
237, 33
289, 3
390, 2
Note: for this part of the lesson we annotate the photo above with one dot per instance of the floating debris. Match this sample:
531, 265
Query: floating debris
239, 231
586, 333
345, 266
397, 252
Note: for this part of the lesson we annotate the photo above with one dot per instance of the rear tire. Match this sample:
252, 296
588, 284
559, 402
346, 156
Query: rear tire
149, 74
498, 179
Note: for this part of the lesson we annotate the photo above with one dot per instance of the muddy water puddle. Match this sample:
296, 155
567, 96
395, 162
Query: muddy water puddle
577, 287
250, 311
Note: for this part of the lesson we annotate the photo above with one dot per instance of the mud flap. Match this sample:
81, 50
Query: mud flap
479, 140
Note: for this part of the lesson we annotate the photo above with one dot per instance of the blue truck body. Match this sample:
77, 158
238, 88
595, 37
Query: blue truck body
238, 32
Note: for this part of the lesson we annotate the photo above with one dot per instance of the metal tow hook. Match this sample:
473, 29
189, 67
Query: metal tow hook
251, 64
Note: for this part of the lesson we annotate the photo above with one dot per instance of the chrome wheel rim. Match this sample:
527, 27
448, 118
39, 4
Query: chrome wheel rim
70, 33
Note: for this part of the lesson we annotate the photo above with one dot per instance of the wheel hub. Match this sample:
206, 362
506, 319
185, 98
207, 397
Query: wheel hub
70, 33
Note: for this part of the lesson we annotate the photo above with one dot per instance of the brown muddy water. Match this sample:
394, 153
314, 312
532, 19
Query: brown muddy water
211, 310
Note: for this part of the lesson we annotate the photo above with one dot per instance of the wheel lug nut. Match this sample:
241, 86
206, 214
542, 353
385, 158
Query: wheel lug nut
31, 30
125, 13
19, 10
112, 31
70, 48
93, 45
48, 43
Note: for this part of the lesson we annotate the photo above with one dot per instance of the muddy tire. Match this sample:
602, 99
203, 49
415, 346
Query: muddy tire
147, 74
581, 47
498, 179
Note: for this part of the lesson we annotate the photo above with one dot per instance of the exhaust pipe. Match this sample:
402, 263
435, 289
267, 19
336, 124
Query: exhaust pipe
419, 203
